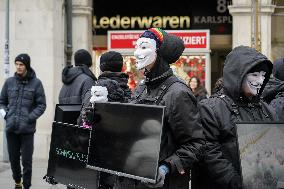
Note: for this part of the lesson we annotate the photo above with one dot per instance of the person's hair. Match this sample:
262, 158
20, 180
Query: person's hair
197, 79
199, 87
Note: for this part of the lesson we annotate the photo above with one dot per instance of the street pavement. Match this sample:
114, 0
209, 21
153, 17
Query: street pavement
39, 170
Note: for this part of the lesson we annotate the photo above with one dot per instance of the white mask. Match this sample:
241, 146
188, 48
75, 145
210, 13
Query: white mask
252, 83
145, 52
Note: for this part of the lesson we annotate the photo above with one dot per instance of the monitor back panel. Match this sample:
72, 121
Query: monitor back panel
67, 113
126, 140
261, 148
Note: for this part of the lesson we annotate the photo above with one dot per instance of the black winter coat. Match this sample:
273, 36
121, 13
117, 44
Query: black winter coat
76, 82
122, 81
273, 94
220, 167
23, 99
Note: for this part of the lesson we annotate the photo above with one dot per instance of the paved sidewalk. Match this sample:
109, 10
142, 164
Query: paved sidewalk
39, 170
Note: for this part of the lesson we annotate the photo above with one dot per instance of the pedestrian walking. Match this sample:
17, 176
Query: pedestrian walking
22, 102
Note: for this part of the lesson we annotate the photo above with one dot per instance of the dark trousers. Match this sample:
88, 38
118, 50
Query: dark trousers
21, 145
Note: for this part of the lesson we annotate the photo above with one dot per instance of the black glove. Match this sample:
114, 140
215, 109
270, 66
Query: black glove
88, 115
236, 182
50, 180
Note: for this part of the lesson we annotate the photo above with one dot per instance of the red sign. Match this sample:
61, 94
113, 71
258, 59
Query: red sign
125, 40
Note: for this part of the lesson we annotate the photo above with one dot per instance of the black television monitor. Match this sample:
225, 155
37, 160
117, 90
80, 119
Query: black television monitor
67, 113
68, 156
261, 149
126, 140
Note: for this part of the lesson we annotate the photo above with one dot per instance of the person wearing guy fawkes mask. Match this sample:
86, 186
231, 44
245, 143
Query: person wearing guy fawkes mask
245, 75
182, 136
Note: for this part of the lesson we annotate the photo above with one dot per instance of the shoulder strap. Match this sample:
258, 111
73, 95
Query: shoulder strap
165, 86
139, 91
233, 107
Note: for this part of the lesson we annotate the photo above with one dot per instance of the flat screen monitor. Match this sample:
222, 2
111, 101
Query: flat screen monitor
126, 140
67, 113
68, 156
261, 148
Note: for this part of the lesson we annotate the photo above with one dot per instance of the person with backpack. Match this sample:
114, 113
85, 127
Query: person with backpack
245, 74
182, 136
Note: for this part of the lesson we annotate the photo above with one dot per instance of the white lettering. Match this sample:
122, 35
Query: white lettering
194, 40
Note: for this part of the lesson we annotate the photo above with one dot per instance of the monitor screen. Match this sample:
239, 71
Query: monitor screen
126, 140
261, 148
67, 113
68, 156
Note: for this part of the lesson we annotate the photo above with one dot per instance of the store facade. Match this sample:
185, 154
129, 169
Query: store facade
229, 24
182, 18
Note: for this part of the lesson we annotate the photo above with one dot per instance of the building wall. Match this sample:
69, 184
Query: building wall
277, 34
37, 28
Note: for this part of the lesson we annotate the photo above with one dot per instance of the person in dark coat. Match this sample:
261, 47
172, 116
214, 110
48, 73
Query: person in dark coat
274, 91
245, 75
22, 102
77, 80
111, 64
114, 81
182, 135
198, 90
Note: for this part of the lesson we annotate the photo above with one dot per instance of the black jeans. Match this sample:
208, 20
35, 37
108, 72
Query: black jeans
21, 145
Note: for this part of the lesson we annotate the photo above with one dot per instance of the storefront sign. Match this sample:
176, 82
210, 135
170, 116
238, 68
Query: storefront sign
169, 15
123, 41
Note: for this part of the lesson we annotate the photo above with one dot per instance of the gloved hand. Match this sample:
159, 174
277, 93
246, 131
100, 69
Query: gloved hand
99, 94
2, 113
163, 170
50, 180
88, 114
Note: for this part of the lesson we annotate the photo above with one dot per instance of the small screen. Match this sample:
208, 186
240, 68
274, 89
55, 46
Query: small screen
261, 148
68, 156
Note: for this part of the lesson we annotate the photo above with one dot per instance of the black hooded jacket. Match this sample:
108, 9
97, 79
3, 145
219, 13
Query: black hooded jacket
182, 136
273, 94
220, 167
23, 99
76, 82
122, 81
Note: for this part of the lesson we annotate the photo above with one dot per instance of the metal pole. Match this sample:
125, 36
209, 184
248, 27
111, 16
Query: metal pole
258, 5
68, 10
253, 24
256, 25
6, 75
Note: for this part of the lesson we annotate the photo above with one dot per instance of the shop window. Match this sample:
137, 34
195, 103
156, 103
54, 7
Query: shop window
190, 65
